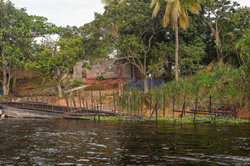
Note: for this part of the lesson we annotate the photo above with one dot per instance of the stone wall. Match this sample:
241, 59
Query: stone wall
106, 68
110, 69
78, 71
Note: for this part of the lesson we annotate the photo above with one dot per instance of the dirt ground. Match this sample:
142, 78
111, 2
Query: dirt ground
27, 87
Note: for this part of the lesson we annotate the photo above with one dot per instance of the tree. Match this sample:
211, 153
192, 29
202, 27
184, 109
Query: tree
191, 52
176, 10
216, 15
243, 49
57, 59
17, 32
108, 2
97, 39
136, 34
234, 28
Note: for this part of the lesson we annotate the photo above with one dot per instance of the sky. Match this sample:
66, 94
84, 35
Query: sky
70, 12
63, 12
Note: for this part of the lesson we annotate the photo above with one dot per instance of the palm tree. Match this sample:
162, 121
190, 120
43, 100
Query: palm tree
176, 10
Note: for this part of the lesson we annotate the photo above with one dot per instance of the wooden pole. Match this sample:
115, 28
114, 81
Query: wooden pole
67, 102
86, 104
114, 100
173, 105
141, 103
164, 102
127, 103
79, 99
183, 107
48, 100
92, 100
210, 104
71, 105
134, 108
138, 106
157, 107
196, 106
83, 103
130, 106
121, 107
151, 103
72, 97
100, 94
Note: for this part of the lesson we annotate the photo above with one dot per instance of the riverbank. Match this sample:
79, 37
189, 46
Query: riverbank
172, 119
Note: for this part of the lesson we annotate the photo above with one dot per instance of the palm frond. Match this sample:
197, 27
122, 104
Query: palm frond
156, 9
184, 22
167, 16
153, 3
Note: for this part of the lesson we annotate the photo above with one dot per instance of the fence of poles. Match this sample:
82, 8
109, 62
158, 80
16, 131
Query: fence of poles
135, 103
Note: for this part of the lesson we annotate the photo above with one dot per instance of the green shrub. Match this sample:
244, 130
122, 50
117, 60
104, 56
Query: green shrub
100, 78
225, 83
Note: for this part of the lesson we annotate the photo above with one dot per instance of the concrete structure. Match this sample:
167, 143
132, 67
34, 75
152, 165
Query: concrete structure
109, 69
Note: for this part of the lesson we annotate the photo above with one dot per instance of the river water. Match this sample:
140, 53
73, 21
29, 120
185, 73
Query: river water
70, 142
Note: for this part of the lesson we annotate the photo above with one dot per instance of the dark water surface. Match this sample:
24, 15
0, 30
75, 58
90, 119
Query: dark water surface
68, 142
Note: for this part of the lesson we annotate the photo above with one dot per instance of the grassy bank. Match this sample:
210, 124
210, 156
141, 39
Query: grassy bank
173, 119
224, 83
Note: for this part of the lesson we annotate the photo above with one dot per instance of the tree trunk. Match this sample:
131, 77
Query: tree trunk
5, 81
4, 73
218, 45
60, 91
145, 85
14, 81
176, 53
168, 70
216, 34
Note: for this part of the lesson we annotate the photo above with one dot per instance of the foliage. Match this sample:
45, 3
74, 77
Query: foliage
17, 33
176, 12
189, 119
100, 78
4, 97
224, 83
243, 47
56, 61
170, 119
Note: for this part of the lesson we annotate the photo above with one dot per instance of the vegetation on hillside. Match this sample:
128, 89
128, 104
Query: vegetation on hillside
213, 52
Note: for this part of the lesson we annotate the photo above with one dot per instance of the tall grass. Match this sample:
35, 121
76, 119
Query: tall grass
224, 83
